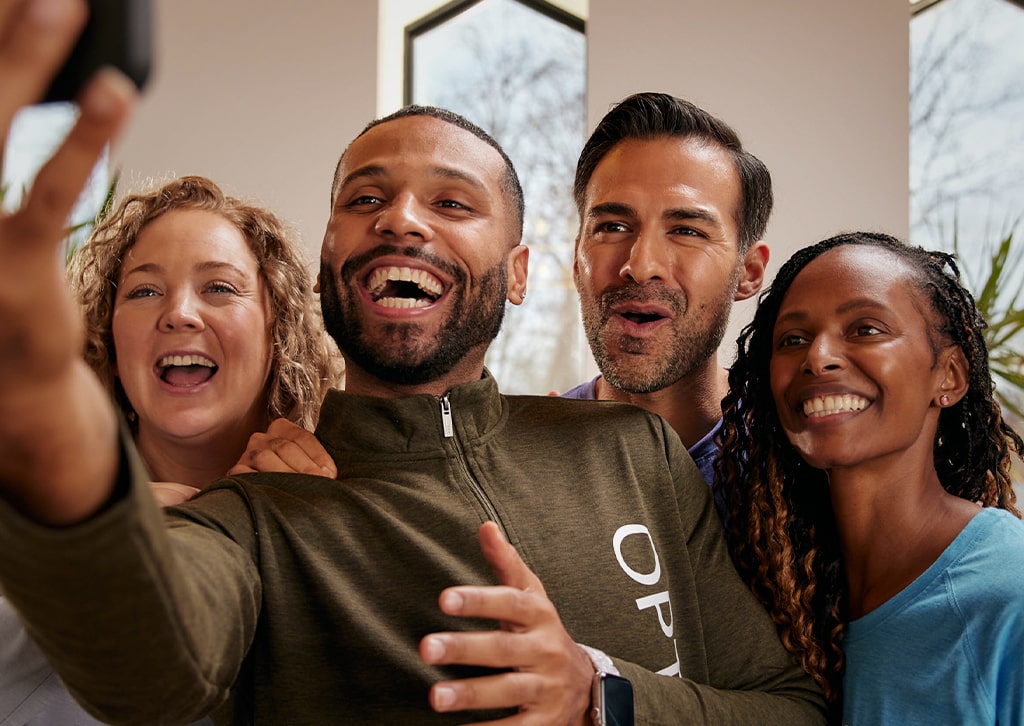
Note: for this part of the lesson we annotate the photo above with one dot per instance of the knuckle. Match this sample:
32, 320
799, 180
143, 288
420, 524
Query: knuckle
507, 646
527, 688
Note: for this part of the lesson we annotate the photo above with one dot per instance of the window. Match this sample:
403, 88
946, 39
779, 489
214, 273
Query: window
35, 133
967, 139
517, 69
967, 157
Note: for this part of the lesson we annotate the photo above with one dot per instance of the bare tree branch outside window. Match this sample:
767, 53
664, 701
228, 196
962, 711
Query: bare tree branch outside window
967, 121
967, 165
520, 75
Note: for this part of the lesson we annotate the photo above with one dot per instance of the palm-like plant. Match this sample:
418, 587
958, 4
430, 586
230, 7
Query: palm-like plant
78, 231
999, 301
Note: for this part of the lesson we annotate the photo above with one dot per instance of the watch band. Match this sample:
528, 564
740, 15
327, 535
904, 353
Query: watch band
602, 663
606, 711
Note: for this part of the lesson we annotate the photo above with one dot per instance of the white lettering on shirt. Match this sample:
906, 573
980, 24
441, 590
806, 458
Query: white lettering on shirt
660, 600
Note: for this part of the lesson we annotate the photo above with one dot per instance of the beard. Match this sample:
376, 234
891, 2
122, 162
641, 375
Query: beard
404, 353
644, 365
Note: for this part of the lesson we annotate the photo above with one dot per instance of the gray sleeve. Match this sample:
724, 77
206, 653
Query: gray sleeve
23, 668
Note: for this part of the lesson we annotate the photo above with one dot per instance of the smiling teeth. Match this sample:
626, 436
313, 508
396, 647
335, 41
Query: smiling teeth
403, 302
426, 282
186, 360
828, 405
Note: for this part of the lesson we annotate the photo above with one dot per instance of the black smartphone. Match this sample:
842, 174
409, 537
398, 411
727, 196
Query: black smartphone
118, 33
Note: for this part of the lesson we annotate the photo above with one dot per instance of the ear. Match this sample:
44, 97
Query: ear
755, 260
576, 262
518, 263
954, 375
316, 285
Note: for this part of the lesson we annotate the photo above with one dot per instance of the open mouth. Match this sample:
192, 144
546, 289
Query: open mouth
829, 405
403, 287
186, 370
641, 318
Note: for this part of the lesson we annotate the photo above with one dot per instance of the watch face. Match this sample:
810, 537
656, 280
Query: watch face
616, 701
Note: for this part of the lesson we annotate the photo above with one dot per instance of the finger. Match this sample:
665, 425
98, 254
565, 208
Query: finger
507, 564
258, 444
269, 454
503, 690
294, 458
300, 461
105, 105
304, 452
265, 460
308, 455
515, 608
488, 648
36, 37
536, 651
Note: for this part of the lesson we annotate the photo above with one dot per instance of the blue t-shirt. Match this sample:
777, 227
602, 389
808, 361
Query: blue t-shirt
949, 648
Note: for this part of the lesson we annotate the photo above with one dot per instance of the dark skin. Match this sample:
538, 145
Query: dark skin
859, 380
423, 182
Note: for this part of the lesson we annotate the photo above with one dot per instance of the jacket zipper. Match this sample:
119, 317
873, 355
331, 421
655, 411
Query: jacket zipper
448, 428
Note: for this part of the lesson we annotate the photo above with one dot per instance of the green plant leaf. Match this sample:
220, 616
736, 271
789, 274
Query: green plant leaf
998, 296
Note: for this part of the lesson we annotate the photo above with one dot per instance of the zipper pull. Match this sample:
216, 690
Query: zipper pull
446, 417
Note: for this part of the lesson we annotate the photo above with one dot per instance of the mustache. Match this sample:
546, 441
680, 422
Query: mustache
645, 293
353, 264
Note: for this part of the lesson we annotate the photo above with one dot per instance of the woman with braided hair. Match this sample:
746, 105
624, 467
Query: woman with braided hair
871, 505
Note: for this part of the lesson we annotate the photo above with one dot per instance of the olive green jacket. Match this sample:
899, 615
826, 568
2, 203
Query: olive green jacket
290, 599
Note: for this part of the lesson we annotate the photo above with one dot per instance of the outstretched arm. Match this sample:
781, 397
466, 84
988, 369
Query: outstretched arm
58, 430
550, 677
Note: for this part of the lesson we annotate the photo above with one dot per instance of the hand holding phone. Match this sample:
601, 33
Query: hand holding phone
119, 34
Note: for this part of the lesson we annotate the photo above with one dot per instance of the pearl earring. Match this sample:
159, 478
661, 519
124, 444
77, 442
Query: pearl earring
943, 400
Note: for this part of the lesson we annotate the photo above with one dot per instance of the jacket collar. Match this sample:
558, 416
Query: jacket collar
367, 424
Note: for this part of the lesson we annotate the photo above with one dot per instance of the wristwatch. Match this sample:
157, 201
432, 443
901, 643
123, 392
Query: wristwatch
612, 700
612, 695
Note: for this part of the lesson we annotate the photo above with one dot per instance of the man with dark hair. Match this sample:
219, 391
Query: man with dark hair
306, 600
672, 214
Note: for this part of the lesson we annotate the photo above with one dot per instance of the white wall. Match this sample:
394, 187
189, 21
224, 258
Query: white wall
263, 95
259, 95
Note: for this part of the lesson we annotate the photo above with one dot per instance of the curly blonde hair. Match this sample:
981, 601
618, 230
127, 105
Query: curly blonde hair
305, 362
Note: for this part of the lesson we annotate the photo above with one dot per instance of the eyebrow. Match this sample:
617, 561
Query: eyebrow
620, 209
206, 266
616, 209
685, 213
860, 302
376, 171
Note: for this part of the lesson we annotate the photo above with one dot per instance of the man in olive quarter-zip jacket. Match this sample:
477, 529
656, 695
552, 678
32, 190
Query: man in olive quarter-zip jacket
330, 585
292, 599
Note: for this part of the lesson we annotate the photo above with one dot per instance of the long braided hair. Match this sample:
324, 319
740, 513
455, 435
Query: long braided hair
781, 525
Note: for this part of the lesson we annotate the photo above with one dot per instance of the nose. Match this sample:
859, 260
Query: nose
403, 216
181, 312
823, 355
645, 261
